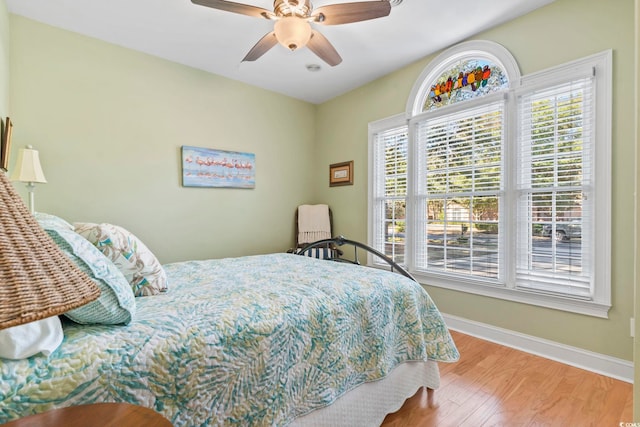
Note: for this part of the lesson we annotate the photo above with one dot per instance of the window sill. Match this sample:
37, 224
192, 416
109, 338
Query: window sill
588, 308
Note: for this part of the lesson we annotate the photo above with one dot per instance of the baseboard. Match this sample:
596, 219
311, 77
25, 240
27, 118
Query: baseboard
599, 363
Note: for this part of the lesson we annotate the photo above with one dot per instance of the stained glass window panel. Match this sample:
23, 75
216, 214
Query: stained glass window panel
466, 79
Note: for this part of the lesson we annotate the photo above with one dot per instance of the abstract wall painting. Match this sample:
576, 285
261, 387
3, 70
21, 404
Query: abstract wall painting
205, 167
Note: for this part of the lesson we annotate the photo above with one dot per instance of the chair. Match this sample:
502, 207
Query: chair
313, 223
314, 238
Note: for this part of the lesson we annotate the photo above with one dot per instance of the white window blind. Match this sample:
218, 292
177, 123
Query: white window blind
555, 213
459, 192
390, 192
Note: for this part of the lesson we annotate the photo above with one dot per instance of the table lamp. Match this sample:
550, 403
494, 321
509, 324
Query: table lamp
28, 170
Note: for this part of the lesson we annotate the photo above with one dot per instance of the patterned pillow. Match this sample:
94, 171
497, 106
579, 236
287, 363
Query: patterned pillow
116, 303
139, 265
52, 221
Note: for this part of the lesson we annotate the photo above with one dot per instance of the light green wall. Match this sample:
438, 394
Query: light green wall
558, 33
4, 60
109, 123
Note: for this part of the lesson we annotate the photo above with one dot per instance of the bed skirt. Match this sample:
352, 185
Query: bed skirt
368, 404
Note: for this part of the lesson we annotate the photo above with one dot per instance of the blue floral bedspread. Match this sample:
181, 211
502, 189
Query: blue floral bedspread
256, 340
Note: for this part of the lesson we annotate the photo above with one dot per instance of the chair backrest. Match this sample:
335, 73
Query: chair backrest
313, 223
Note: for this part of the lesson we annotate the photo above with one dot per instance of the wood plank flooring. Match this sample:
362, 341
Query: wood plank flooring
493, 385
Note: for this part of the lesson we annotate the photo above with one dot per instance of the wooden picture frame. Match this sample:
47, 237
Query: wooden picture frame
341, 174
5, 144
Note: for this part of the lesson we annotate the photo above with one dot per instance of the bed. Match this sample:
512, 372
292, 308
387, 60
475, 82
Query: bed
265, 340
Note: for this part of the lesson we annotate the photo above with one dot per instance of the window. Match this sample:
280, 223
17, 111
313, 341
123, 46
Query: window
459, 191
389, 204
555, 156
499, 184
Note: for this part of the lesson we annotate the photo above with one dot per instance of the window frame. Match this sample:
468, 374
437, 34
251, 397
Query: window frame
600, 65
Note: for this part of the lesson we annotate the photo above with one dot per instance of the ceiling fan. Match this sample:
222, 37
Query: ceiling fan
293, 19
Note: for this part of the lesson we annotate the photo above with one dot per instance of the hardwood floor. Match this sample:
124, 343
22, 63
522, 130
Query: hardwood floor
493, 385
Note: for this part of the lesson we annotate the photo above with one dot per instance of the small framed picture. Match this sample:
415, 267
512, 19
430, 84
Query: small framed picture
341, 174
5, 143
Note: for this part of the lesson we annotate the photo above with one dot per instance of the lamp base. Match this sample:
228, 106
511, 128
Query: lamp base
32, 204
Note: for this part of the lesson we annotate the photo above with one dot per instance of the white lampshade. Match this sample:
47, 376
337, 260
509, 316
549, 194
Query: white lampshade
292, 32
28, 168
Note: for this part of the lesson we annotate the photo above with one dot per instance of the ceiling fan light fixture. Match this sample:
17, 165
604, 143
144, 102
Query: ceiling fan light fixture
293, 18
292, 32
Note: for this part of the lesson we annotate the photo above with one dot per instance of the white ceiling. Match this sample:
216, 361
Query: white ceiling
216, 41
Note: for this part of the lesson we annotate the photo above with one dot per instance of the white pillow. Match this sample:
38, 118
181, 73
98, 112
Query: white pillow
22, 341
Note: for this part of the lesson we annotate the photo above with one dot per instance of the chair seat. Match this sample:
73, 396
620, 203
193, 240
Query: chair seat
320, 253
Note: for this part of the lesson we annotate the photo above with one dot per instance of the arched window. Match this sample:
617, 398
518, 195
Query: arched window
492, 183
466, 71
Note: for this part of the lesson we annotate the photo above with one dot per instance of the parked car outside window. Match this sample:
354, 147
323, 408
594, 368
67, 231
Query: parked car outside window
564, 230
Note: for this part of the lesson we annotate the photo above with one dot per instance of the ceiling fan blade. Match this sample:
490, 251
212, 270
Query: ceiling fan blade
260, 48
345, 13
243, 9
319, 45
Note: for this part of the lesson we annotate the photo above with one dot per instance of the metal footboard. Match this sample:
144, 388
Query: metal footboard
341, 241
